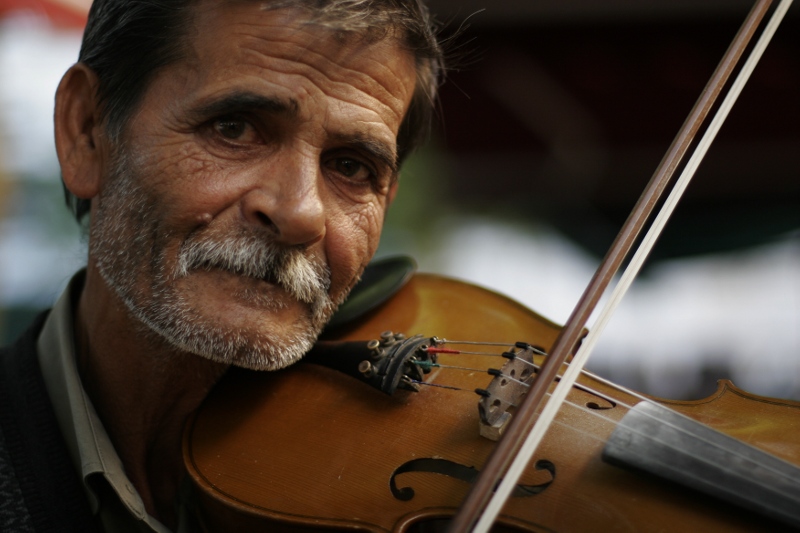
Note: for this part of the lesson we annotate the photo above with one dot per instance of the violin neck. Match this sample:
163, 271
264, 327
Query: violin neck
654, 439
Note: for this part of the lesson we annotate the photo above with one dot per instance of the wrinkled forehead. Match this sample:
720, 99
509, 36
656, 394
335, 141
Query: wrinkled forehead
245, 37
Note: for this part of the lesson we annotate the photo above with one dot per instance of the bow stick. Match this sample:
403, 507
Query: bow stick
524, 433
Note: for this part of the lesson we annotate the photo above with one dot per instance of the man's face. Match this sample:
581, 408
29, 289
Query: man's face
251, 186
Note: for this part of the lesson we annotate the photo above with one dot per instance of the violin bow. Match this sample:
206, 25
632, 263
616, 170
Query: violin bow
514, 450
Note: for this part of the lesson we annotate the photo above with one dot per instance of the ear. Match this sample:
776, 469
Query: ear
77, 128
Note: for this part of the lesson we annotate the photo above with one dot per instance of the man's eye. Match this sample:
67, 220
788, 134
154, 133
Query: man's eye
352, 168
235, 129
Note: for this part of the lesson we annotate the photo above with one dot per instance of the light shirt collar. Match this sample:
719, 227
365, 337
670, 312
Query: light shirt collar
120, 509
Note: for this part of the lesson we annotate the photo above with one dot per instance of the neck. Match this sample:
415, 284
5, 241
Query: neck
143, 390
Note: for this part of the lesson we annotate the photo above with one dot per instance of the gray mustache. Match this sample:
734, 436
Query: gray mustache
297, 271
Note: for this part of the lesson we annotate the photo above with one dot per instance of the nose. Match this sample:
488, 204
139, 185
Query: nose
287, 201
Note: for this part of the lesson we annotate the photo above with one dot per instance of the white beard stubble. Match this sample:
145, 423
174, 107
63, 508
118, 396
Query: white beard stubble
127, 241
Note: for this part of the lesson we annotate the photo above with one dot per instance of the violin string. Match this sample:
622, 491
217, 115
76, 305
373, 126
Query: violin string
606, 418
536, 350
459, 352
499, 374
536, 367
785, 474
491, 371
593, 412
439, 385
595, 392
616, 386
583, 408
429, 364
789, 473
510, 404
780, 473
477, 343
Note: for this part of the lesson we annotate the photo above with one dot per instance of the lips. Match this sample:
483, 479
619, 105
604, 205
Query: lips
268, 276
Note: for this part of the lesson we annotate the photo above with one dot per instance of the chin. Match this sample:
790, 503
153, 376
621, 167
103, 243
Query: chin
252, 331
244, 347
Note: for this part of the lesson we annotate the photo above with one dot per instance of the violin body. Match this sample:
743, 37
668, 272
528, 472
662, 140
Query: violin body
309, 448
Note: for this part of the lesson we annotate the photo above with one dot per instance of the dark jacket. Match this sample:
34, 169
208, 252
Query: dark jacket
39, 487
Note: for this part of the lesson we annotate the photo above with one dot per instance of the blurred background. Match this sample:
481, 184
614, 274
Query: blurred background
554, 116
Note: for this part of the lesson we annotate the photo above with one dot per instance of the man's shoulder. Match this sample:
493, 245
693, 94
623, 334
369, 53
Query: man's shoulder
39, 488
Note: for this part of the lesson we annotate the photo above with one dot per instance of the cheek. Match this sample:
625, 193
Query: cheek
351, 240
186, 180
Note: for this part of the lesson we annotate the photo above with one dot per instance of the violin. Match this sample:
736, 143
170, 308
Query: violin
311, 448
315, 448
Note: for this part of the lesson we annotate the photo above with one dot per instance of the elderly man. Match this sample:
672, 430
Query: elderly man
236, 158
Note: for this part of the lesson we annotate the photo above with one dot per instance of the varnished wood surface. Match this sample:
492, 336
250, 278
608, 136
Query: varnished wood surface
309, 448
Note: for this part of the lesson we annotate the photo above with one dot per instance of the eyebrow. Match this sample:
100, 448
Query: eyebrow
246, 101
